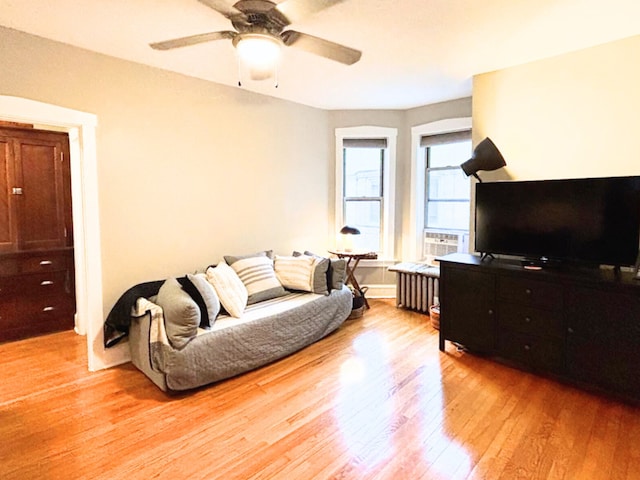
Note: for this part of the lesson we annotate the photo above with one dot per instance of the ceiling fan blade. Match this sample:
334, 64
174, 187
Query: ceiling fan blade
221, 6
322, 47
192, 40
296, 10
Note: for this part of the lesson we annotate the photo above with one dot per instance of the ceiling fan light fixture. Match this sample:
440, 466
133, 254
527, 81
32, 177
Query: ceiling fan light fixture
259, 54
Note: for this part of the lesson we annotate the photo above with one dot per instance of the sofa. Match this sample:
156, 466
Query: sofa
243, 313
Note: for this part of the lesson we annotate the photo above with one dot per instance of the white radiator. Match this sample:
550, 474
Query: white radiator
416, 286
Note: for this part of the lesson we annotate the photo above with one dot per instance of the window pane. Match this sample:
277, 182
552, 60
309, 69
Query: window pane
449, 154
448, 215
365, 216
363, 172
449, 184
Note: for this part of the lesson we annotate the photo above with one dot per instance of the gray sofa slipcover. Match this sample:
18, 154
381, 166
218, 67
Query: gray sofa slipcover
267, 331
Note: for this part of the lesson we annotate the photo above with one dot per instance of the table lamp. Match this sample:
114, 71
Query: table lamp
347, 233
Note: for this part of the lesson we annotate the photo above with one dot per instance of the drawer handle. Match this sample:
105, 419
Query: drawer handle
527, 347
44, 283
570, 330
527, 319
45, 263
48, 309
490, 312
528, 291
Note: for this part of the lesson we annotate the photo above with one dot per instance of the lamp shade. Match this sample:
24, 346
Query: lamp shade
347, 230
259, 53
486, 156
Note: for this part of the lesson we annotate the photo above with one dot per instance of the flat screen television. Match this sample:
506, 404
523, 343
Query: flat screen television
592, 221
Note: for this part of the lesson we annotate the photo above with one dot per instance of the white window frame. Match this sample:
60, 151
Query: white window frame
389, 179
412, 245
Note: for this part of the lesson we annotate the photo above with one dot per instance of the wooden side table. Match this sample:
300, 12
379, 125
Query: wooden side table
355, 257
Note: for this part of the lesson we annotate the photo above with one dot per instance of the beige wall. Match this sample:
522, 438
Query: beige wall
187, 170
575, 115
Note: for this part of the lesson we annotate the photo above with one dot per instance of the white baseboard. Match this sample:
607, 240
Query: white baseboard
381, 291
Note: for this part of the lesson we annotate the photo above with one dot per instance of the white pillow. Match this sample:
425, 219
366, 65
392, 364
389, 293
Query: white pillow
295, 273
230, 289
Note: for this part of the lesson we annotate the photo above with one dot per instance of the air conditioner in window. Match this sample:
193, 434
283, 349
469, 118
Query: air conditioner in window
438, 243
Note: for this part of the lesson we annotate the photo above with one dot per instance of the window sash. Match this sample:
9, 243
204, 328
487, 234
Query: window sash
436, 201
375, 244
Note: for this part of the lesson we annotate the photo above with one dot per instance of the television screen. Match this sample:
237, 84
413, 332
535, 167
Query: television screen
590, 220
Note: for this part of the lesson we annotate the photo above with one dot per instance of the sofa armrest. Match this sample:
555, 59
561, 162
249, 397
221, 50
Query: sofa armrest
139, 336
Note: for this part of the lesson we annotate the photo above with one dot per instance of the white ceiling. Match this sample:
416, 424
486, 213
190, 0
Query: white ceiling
415, 52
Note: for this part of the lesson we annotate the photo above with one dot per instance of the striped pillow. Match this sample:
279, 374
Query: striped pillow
319, 276
295, 273
257, 275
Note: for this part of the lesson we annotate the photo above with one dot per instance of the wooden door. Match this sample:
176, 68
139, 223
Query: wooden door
40, 160
8, 220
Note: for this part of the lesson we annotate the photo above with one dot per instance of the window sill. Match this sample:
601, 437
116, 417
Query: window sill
380, 262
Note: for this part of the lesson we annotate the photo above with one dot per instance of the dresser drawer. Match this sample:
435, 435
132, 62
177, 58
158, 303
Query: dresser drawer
44, 263
531, 351
33, 304
8, 266
42, 284
531, 320
7, 287
7, 314
530, 292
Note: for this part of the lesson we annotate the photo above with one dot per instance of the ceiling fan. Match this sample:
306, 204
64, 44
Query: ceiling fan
260, 31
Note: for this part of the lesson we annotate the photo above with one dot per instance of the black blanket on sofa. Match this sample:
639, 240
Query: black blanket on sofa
116, 326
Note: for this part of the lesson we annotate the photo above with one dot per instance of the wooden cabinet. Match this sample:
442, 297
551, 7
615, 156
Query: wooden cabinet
530, 321
36, 235
581, 325
603, 338
470, 298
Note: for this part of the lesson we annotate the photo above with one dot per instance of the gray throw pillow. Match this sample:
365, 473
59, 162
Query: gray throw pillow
209, 297
338, 273
181, 313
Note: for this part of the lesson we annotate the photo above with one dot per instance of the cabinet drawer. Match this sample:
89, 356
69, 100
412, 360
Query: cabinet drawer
7, 314
531, 351
42, 284
37, 304
8, 266
530, 292
44, 263
7, 287
531, 320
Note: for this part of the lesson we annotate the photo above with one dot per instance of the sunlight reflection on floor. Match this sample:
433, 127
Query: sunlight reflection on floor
441, 453
364, 408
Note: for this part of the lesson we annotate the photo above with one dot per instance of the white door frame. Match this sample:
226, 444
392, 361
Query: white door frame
81, 128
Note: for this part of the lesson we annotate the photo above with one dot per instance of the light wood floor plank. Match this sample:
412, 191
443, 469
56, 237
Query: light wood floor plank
375, 400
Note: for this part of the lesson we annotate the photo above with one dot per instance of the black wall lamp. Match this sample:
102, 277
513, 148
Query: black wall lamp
486, 156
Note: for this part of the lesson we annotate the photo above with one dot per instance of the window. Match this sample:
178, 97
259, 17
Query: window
363, 190
365, 162
414, 227
447, 192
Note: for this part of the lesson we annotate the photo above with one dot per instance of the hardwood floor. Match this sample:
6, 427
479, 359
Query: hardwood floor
375, 400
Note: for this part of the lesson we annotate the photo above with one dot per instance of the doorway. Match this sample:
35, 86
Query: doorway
81, 128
